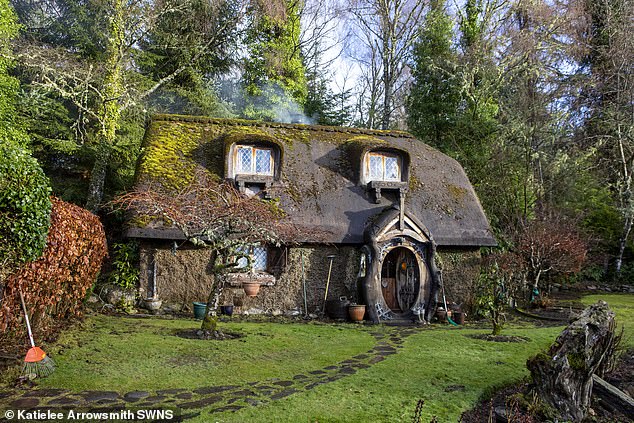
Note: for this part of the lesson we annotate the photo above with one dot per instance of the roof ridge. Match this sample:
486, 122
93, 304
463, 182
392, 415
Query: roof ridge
299, 126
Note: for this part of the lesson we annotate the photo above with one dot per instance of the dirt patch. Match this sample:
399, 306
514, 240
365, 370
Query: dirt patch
213, 336
499, 338
184, 360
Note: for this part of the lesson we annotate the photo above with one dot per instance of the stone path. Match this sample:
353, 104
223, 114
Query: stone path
221, 398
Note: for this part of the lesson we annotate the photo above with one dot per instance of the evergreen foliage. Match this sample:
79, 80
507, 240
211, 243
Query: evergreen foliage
25, 206
24, 190
435, 93
274, 77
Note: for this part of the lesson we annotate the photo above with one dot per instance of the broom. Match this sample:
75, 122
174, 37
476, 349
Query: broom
36, 362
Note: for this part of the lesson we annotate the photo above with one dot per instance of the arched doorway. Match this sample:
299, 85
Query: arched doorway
400, 279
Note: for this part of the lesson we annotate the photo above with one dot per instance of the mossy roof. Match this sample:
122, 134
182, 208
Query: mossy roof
319, 184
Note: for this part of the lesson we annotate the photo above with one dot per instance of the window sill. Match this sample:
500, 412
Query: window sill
378, 186
261, 277
264, 182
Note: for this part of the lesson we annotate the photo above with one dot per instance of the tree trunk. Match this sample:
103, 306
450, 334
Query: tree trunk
98, 178
562, 376
210, 322
627, 228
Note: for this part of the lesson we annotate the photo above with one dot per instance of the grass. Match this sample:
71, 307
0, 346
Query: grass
124, 354
442, 365
623, 306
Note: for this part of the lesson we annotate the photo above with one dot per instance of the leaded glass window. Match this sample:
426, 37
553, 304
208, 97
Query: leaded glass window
383, 167
258, 255
254, 160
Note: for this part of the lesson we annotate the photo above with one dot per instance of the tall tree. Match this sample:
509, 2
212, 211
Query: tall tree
103, 87
273, 76
385, 32
610, 123
435, 92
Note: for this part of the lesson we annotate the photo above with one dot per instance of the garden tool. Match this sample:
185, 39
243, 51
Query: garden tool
331, 258
36, 362
444, 300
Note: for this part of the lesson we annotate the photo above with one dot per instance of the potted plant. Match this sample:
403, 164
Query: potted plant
356, 312
251, 288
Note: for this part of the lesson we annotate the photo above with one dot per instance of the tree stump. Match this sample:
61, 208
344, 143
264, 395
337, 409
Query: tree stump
563, 375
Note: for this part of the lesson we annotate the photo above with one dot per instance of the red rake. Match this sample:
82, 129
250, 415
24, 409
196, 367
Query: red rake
36, 362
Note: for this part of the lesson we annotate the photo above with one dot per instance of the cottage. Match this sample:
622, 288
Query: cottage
393, 210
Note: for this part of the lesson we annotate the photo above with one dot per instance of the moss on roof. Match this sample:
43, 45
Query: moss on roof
319, 184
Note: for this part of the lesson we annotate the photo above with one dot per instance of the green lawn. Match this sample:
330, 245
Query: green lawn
623, 305
126, 354
441, 365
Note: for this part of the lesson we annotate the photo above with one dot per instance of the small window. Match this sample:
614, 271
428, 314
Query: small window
258, 256
253, 160
383, 167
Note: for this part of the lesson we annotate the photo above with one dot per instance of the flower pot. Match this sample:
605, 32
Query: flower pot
199, 310
152, 304
251, 288
226, 309
459, 317
356, 312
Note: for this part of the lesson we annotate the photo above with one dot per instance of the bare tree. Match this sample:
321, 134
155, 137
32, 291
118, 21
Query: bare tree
216, 216
385, 31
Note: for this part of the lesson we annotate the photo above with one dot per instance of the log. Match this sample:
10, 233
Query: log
562, 376
613, 396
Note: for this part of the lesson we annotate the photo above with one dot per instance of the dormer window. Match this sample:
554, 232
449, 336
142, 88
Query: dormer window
385, 170
383, 167
253, 160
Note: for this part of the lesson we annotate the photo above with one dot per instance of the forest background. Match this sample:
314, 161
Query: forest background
534, 98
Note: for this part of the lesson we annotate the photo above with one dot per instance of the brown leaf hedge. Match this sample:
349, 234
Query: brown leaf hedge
54, 286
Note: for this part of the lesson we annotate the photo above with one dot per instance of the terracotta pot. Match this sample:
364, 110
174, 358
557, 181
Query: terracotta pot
251, 288
356, 312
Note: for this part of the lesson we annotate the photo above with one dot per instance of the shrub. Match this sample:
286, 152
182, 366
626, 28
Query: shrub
125, 263
25, 206
54, 286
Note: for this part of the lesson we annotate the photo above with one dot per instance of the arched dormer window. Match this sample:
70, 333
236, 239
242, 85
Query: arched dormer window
385, 170
254, 165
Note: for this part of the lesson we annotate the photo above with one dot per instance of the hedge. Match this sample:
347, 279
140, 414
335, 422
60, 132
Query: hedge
54, 286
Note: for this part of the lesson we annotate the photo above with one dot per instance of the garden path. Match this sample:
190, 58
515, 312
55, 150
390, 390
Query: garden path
221, 398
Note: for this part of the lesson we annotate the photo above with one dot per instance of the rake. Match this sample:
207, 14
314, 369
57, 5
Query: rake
36, 362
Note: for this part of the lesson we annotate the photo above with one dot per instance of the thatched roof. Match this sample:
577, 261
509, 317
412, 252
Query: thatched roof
319, 184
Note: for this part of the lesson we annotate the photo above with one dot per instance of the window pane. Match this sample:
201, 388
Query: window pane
263, 162
243, 262
244, 164
391, 169
376, 167
259, 258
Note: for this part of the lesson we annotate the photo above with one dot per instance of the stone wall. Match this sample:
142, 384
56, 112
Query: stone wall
287, 293
184, 276
461, 268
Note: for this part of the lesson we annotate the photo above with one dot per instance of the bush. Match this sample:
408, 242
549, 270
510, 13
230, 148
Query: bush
54, 286
25, 206
125, 263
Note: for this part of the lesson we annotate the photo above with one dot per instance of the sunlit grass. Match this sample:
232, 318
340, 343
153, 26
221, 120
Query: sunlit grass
441, 365
123, 354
